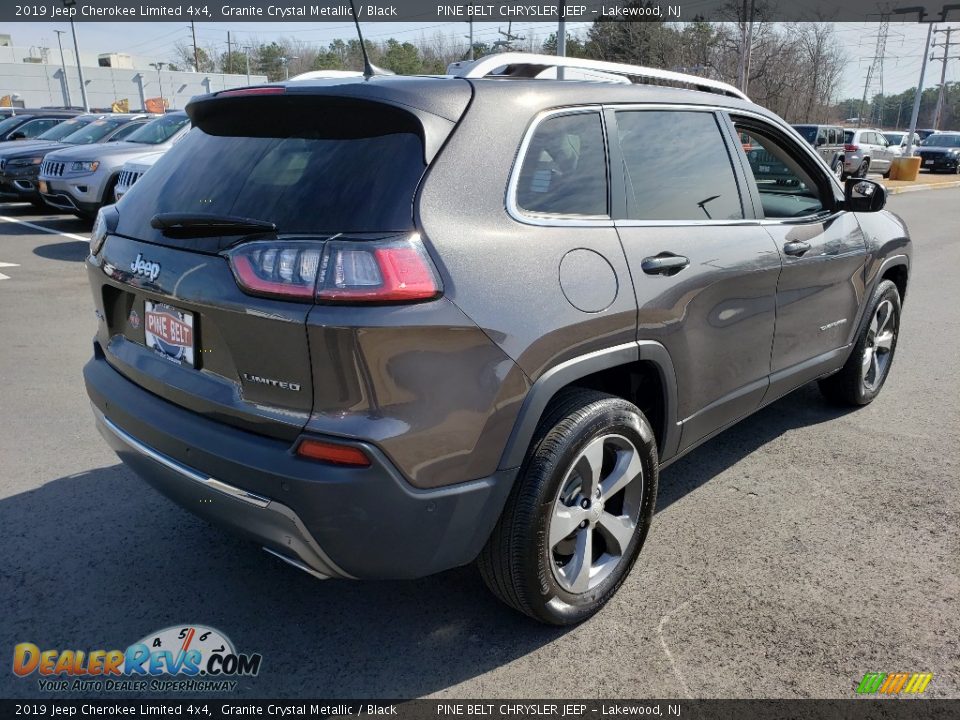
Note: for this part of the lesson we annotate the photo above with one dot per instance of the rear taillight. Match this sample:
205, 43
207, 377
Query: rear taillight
851, 148
377, 271
336, 271
277, 269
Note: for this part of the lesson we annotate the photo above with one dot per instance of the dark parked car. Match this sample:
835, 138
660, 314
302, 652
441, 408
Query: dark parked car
940, 152
20, 162
27, 124
324, 324
828, 141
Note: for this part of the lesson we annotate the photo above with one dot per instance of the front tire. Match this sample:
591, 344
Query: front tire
579, 510
862, 377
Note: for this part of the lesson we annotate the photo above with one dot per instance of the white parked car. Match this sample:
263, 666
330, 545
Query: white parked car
131, 171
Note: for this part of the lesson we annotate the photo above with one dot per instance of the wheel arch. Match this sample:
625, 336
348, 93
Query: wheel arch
641, 372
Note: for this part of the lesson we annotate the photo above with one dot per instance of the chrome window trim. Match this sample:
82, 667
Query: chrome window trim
553, 219
547, 220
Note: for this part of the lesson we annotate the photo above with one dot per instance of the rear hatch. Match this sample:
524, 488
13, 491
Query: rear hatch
266, 180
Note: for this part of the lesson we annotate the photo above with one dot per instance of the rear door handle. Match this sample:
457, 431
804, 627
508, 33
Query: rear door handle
664, 264
796, 248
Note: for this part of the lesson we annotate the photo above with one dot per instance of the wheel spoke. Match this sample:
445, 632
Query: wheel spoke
627, 468
618, 531
867, 362
588, 467
564, 521
887, 309
578, 569
873, 326
884, 341
875, 369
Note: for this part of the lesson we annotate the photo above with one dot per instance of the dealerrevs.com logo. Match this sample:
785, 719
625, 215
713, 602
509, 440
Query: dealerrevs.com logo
185, 658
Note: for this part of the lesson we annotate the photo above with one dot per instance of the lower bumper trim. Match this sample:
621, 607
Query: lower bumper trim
270, 523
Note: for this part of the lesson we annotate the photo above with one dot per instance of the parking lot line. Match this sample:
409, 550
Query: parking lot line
44, 229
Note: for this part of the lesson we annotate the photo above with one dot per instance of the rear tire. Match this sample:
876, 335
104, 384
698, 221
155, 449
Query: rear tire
863, 169
862, 377
586, 491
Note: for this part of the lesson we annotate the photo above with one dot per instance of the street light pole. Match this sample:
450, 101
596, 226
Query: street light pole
63, 66
70, 4
908, 150
246, 49
159, 67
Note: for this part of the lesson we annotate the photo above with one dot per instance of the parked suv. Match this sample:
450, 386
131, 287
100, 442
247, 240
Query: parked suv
20, 160
29, 124
940, 151
867, 150
828, 141
323, 324
82, 179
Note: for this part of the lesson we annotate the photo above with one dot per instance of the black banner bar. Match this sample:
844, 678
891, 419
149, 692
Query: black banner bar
214, 708
319, 11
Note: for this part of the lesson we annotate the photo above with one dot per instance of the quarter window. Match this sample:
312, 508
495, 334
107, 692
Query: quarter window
677, 166
564, 171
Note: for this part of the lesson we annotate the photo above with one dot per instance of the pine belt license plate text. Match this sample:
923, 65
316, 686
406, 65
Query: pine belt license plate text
169, 331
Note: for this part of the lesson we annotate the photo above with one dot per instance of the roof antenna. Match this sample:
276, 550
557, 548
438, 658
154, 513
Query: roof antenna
368, 69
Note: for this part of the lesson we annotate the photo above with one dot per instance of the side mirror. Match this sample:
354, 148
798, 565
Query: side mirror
864, 195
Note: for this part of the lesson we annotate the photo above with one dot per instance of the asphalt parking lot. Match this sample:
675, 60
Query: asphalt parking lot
789, 556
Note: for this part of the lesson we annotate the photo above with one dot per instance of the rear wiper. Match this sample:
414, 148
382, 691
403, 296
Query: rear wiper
205, 225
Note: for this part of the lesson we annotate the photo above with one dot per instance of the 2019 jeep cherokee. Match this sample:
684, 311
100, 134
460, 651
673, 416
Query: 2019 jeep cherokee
387, 326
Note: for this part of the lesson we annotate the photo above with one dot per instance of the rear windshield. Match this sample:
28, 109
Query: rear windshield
65, 128
848, 136
94, 132
159, 130
894, 138
304, 165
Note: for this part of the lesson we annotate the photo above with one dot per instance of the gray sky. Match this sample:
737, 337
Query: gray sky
157, 40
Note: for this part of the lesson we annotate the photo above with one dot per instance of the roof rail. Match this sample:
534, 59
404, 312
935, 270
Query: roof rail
531, 65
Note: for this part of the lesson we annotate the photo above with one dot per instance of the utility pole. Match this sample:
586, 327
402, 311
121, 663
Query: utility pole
159, 67
561, 35
246, 49
196, 52
942, 96
908, 150
63, 66
470, 37
509, 38
875, 71
229, 59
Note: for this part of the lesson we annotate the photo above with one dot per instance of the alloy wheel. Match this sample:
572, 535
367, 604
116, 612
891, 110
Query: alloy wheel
595, 513
881, 337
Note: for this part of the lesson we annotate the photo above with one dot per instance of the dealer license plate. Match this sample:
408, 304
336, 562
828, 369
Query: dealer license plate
169, 331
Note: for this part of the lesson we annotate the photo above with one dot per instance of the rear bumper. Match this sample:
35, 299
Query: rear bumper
332, 521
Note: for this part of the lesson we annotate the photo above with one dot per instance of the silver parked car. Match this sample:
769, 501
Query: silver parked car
82, 179
866, 150
132, 171
898, 140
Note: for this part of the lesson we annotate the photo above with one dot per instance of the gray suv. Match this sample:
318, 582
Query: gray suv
324, 324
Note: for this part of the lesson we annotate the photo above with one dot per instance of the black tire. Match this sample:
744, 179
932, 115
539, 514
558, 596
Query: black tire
863, 169
518, 562
849, 386
837, 168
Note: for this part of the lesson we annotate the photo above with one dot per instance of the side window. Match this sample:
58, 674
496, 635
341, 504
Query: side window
35, 127
822, 136
786, 189
688, 177
125, 130
564, 171
836, 136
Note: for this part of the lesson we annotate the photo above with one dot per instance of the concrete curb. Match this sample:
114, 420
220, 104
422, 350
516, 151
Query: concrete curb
926, 186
